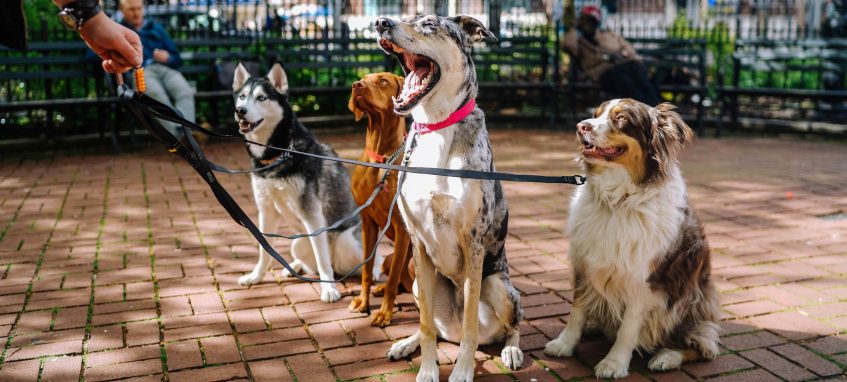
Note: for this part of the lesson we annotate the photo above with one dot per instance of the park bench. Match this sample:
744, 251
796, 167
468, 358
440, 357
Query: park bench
321, 72
799, 84
202, 62
47, 78
676, 67
513, 73
327, 67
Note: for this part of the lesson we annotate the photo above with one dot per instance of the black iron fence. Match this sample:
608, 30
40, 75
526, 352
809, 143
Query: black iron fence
785, 47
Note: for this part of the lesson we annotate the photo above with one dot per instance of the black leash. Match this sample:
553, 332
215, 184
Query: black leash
186, 147
379, 187
164, 112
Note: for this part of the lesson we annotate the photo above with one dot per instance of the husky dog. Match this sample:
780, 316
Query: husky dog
309, 193
458, 226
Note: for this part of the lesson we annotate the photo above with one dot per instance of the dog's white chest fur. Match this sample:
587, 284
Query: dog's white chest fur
436, 208
618, 229
282, 195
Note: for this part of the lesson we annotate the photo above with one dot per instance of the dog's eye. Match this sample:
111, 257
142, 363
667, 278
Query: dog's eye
242, 97
383, 82
620, 118
261, 98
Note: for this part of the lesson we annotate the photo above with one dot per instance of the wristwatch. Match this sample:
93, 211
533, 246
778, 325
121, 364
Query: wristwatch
74, 14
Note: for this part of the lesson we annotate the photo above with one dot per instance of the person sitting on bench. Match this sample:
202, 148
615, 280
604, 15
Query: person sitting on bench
608, 59
161, 59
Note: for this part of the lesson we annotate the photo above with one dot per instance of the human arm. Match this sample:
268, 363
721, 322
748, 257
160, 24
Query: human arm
627, 51
571, 42
118, 46
173, 59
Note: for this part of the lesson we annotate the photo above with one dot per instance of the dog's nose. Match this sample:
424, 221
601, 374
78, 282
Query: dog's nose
240, 111
383, 24
583, 127
359, 84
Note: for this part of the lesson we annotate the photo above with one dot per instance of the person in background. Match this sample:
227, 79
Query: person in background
607, 58
164, 82
117, 46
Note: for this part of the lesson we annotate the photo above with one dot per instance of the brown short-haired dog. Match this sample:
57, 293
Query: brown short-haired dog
372, 96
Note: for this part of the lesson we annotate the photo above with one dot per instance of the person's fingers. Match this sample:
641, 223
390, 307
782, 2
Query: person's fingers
135, 43
107, 66
119, 59
111, 67
127, 54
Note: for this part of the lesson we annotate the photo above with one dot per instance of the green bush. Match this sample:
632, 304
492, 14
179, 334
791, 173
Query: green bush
41, 18
719, 43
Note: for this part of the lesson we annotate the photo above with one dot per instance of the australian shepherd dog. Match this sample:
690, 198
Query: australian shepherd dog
639, 253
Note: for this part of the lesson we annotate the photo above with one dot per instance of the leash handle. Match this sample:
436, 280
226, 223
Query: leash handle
140, 82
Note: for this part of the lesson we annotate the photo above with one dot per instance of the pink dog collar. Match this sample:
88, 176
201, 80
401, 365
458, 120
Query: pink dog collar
457, 116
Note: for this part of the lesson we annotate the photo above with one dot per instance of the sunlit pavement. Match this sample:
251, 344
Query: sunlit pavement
119, 267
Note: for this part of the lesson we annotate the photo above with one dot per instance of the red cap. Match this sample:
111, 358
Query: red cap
592, 11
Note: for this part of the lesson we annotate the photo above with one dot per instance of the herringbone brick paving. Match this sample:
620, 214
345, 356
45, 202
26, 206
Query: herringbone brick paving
124, 267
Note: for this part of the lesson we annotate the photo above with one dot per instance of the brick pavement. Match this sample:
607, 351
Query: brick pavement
125, 267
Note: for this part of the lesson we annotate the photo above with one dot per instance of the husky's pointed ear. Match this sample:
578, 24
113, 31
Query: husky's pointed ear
278, 79
240, 76
474, 29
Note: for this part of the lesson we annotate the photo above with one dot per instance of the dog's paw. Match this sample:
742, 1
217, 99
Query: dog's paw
381, 317
296, 265
429, 373
401, 349
611, 368
462, 372
359, 304
708, 348
512, 357
250, 279
329, 293
665, 359
558, 348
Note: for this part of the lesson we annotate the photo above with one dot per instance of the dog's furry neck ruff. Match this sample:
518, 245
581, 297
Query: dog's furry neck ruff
282, 136
455, 117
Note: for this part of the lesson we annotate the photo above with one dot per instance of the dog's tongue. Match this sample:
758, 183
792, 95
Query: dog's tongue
595, 151
609, 150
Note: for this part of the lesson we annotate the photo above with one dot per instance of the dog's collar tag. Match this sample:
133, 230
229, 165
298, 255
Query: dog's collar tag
457, 116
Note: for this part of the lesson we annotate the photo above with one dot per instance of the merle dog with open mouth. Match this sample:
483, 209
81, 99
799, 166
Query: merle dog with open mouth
458, 226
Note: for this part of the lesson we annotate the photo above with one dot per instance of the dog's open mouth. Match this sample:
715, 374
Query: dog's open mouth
244, 126
608, 153
422, 74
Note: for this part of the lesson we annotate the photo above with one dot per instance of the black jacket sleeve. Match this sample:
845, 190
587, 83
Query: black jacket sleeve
12, 24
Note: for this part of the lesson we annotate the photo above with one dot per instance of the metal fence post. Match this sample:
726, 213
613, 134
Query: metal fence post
557, 24
494, 9
440, 7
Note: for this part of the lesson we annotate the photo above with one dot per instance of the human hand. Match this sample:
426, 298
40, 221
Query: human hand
118, 46
161, 56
